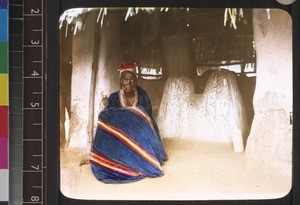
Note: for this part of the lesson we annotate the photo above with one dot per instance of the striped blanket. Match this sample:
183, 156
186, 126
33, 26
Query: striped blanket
126, 147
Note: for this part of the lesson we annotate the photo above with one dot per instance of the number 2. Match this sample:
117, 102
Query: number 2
35, 11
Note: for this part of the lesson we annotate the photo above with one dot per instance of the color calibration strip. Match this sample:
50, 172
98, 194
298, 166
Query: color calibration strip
4, 171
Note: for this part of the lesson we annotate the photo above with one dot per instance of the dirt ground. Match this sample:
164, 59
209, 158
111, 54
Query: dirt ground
194, 171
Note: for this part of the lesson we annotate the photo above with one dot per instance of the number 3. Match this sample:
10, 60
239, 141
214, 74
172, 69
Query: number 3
35, 42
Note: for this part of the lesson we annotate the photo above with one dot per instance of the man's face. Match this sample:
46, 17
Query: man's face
128, 82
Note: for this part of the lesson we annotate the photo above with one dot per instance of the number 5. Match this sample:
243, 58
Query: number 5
34, 104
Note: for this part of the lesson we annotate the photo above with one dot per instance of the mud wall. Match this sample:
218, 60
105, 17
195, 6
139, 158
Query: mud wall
270, 140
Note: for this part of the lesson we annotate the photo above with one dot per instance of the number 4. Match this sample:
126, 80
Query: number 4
35, 73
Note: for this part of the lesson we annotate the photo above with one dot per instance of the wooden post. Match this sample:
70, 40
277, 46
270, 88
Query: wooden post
90, 127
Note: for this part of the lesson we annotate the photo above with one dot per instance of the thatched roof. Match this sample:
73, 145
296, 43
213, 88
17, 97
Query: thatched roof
218, 35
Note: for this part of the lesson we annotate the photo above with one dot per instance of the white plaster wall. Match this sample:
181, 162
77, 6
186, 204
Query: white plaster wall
216, 116
270, 140
273, 43
174, 111
107, 80
81, 77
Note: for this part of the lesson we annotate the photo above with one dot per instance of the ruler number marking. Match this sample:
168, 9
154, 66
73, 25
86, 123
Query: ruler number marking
37, 11
35, 198
37, 42
33, 105
36, 168
35, 73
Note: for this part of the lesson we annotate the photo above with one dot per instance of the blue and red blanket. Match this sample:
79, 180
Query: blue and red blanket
127, 146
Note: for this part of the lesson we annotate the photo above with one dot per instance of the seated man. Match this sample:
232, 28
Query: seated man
127, 146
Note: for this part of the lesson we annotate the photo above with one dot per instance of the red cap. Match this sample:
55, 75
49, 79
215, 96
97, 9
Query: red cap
126, 66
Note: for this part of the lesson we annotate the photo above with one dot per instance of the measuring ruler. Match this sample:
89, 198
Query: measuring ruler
34, 166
